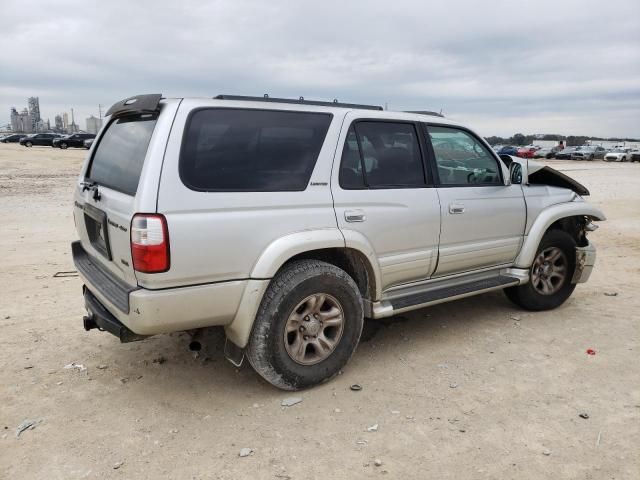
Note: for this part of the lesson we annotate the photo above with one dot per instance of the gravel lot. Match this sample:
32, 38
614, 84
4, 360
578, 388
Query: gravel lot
465, 390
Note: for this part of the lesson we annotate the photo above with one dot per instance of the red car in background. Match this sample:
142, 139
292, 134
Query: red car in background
526, 152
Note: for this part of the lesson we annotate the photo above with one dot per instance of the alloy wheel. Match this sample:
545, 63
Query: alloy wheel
314, 329
549, 271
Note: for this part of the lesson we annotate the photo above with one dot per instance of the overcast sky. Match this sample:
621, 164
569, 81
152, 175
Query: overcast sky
561, 66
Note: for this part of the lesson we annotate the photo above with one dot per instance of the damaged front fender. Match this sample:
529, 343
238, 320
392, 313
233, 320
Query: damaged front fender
535, 173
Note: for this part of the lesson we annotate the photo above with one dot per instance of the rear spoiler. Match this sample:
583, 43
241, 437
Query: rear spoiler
137, 104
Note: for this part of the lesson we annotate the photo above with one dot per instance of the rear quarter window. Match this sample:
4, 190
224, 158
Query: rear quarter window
118, 159
251, 150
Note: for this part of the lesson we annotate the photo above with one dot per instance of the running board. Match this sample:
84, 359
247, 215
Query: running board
393, 306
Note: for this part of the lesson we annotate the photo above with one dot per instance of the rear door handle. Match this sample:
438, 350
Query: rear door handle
456, 208
354, 216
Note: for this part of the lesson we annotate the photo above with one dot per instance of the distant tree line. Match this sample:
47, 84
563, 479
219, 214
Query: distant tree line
571, 140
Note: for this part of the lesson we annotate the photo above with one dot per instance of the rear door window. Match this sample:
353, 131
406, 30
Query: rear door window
381, 155
117, 161
251, 150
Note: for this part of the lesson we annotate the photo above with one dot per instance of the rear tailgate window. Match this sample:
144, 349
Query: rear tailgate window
247, 150
117, 161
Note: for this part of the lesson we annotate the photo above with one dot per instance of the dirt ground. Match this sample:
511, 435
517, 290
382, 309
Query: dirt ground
467, 390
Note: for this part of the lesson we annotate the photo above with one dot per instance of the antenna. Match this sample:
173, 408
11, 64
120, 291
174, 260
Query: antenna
100, 111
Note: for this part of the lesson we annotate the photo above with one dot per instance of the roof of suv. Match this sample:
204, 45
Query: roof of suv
150, 103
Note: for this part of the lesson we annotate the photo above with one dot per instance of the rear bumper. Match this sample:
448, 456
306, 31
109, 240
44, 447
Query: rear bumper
149, 312
99, 317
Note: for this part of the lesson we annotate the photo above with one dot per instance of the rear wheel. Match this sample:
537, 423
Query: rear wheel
307, 327
550, 275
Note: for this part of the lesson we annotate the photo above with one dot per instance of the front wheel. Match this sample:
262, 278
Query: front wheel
28, 144
307, 327
63, 146
550, 275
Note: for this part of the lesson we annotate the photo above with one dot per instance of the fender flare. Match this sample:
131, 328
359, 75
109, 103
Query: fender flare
357, 241
275, 256
545, 219
283, 248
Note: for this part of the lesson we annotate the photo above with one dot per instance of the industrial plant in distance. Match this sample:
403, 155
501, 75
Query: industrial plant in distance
28, 120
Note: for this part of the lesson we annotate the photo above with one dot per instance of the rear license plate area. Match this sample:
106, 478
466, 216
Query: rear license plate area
95, 221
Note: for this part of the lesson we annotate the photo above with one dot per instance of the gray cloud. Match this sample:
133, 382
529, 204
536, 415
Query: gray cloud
499, 66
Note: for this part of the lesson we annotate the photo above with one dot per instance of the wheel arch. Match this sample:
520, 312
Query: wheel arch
327, 245
565, 216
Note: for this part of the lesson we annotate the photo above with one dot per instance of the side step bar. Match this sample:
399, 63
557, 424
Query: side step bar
393, 306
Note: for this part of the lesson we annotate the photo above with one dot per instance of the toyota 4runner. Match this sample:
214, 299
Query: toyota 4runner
289, 222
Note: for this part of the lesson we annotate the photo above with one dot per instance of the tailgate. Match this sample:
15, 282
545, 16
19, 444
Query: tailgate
120, 179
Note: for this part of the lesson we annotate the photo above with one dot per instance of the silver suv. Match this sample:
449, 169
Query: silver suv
289, 222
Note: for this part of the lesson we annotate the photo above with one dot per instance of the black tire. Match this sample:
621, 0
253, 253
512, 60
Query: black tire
267, 352
63, 146
28, 144
527, 296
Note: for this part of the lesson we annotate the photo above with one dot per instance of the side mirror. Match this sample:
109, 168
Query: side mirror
515, 173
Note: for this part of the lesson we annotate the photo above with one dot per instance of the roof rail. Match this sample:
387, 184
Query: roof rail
425, 112
299, 101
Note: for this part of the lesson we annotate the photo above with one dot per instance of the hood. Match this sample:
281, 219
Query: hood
615, 154
540, 174
544, 175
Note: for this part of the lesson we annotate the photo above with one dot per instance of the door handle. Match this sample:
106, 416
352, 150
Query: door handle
354, 216
456, 208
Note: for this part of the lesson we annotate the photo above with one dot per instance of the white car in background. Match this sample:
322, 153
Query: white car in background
618, 155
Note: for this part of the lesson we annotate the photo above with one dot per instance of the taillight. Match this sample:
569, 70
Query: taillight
149, 243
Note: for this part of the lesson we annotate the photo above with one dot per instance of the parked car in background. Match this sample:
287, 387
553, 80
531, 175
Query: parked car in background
75, 140
618, 155
497, 148
39, 139
526, 152
88, 142
508, 151
588, 153
565, 154
547, 152
635, 155
13, 138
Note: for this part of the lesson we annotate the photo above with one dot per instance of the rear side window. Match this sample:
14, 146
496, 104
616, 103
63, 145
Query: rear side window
381, 155
251, 150
118, 158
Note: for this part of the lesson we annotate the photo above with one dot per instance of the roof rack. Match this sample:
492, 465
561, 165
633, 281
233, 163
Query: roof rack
301, 100
425, 112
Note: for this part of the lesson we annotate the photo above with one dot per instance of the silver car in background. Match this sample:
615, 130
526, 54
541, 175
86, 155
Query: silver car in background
588, 153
